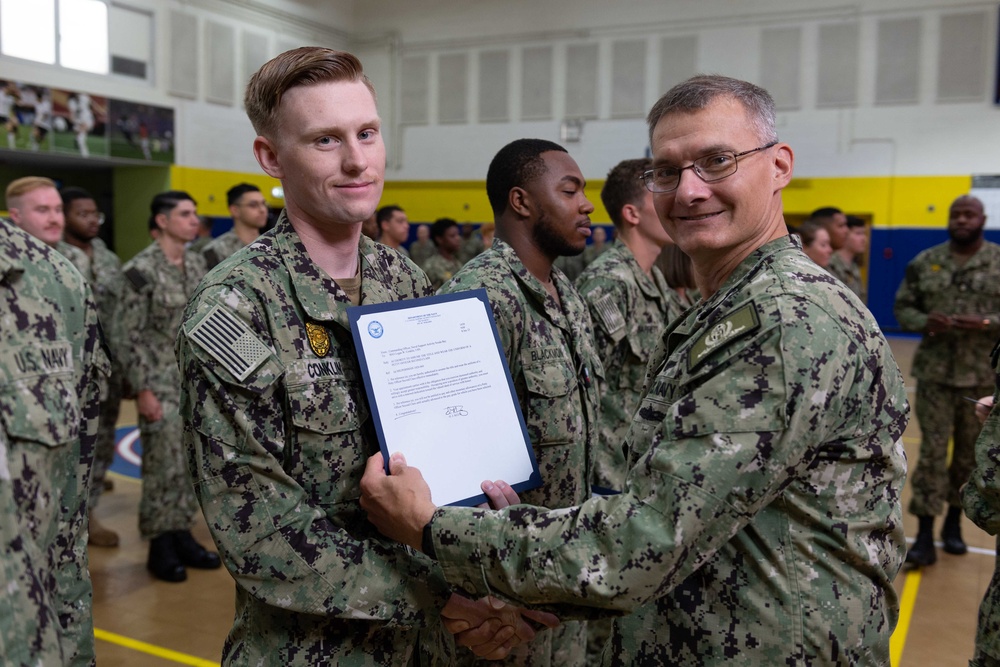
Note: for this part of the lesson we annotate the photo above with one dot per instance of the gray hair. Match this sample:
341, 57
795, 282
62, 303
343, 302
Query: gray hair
699, 91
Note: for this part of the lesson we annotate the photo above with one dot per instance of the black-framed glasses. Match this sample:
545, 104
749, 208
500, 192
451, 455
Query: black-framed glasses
709, 168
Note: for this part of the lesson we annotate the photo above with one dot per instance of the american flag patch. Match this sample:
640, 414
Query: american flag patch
230, 342
609, 313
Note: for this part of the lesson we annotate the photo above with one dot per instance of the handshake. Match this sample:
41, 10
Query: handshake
489, 627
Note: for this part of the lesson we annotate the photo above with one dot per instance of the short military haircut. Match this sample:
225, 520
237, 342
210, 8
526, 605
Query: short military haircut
384, 214
825, 213
624, 186
72, 193
165, 202
699, 91
304, 66
440, 227
517, 164
22, 186
234, 193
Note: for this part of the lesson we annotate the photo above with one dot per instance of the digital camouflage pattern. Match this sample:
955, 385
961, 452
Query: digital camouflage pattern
935, 282
103, 272
277, 434
981, 500
440, 270
149, 318
848, 273
948, 365
629, 310
220, 248
761, 520
555, 370
51, 359
421, 251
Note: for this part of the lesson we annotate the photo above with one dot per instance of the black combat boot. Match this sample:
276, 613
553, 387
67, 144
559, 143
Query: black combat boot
163, 561
193, 554
923, 551
951, 533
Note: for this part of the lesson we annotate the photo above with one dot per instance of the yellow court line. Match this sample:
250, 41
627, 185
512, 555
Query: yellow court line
152, 649
906, 603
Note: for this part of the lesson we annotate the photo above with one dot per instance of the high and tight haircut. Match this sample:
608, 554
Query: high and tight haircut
385, 213
304, 66
234, 193
22, 186
440, 227
699, 91
165, 202
825, 213
624, 186
515, 165
71, 193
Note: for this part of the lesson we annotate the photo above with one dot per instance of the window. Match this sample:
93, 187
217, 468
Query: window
33, 29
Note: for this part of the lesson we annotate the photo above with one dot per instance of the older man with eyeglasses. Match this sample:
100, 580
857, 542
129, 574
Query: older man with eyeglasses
760, 523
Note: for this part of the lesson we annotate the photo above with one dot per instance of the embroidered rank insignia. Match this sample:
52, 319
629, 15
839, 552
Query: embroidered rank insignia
319, 339
230, 342
610, 315
734, 325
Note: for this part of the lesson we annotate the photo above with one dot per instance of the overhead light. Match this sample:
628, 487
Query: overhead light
278, 192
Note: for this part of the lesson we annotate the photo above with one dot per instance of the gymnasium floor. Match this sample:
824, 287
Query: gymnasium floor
140, 621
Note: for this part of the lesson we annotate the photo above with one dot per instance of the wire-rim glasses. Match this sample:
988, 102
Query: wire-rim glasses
709, 168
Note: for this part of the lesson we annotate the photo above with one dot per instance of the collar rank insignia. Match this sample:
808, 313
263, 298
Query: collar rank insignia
319, 339
734, 325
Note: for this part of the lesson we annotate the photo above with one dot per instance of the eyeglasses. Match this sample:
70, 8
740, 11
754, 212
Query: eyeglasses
94, 214
255, 204
710, 168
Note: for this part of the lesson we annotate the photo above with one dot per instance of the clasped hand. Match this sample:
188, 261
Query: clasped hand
400, 505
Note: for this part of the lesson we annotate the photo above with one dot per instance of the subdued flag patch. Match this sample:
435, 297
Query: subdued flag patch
609, 313
230, 342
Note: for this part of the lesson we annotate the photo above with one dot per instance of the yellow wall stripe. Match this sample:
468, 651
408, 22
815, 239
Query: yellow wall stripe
906, 603
152, 649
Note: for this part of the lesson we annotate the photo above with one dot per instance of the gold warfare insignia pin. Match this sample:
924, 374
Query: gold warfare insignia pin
319, 339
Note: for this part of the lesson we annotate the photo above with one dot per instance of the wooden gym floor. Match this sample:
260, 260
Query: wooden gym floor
140, 621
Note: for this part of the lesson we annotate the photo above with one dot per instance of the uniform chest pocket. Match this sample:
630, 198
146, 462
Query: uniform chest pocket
166, 306
552, 411
327, 453
41, 409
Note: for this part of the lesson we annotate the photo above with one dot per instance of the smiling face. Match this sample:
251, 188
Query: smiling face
40, 213
328, 153
562, 211
719, 224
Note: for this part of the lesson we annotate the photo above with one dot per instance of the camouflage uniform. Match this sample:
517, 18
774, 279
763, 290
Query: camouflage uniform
981, 499
220, 248
104, 273
948, 365
440, 270
571, 265
629, 310
555, 369
847, 273
50, 363
277, 433
153, 299
761, 520
421, 252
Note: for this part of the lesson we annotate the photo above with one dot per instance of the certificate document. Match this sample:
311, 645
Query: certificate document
440, 393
